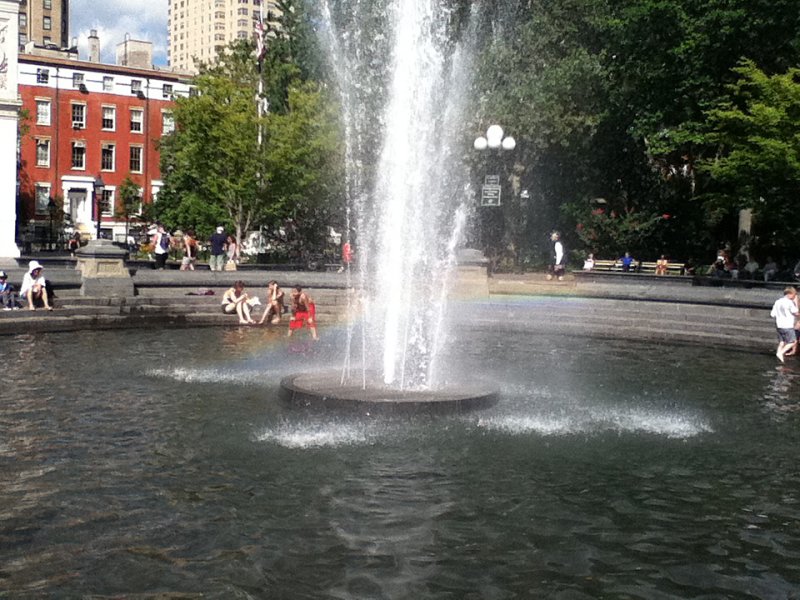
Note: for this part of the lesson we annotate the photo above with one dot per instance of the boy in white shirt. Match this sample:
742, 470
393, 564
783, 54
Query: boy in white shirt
784, 312
34, 287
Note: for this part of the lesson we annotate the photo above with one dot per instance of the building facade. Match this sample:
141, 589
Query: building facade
44, 22
90, 126
199, 29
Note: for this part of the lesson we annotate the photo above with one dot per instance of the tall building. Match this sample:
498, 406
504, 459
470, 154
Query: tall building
44, 22
90, 124
199, 29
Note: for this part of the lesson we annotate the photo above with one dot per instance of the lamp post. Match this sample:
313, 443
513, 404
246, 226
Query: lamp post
491, 190
99, 186
51, 208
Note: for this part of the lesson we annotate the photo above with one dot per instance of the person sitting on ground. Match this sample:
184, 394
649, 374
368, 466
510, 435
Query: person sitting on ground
628, 262
751, 267
661, 265
274, 309
770, 269
34, 287
8, 296
304, 312
236, 300
784, 311
588, 263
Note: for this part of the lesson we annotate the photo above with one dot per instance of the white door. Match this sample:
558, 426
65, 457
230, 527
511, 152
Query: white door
78, 209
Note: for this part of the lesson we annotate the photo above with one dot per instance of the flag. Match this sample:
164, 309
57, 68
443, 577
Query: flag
261, 40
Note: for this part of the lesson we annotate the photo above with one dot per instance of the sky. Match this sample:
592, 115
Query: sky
143, 19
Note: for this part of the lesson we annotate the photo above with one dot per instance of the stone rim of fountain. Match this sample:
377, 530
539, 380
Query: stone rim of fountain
324, 389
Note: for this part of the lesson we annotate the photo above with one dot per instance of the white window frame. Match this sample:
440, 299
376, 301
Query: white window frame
167, 91
43, 76
72, 115
167, 122
41, 117
141, 158
41, 200
108, 83
107, 210
139, 112
136, 86
113, 118
46, 161
113, 147
73, 146
77, 80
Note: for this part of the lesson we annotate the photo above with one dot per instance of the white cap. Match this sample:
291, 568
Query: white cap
220, 229
33, 265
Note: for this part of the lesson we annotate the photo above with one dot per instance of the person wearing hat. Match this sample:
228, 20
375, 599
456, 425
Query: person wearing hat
7, 294
34, 287
218, 258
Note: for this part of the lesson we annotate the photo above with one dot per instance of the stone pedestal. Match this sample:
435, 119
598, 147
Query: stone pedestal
471, 278
103, 270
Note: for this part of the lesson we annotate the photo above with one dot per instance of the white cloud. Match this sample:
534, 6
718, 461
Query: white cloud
142, 19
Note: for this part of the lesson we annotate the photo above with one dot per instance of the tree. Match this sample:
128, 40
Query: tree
755, 134
212, 164
130, 197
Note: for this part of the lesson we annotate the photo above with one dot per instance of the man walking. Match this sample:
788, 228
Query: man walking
784, 312
216, 261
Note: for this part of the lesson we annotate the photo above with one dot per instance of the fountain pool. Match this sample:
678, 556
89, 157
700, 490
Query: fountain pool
156, 462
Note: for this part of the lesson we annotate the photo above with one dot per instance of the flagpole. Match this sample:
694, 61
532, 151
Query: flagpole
259, 103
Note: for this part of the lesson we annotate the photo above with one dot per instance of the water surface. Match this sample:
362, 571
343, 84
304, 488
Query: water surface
147, 462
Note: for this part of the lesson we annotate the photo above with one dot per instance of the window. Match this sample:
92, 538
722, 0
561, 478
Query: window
23, 20
137, 118
219, 37
107, 152
47, 4
42, 198
219, 26
167, 123
77, 80
167, 92
42, 152
242, 35
136, 86
242, 23
109, 118
47, 24
243, 11
79, 156
42, 75
136, 159
107, 203
78, 116
43, 112
219, 14
47, 40
23, 39
108, 84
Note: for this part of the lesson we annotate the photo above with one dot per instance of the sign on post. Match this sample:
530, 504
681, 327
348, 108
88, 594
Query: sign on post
491, 179
490, 195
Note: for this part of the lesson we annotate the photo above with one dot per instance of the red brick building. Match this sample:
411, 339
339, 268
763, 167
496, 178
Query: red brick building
89, 123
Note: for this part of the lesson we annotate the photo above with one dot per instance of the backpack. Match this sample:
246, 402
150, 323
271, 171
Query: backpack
164, 242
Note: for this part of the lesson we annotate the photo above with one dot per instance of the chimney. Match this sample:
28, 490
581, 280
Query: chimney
94, 46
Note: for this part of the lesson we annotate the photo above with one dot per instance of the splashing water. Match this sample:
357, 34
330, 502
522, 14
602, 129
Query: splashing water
402, 68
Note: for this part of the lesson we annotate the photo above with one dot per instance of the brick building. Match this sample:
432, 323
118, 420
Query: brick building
89, 123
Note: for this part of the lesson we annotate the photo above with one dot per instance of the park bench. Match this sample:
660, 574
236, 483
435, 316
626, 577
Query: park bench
615, 265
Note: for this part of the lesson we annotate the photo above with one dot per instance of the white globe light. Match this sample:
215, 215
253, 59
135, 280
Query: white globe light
495, 132
480, 143
494, 143
509, 143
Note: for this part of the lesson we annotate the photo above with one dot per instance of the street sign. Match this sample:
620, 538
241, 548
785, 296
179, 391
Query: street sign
492, 180
490, 195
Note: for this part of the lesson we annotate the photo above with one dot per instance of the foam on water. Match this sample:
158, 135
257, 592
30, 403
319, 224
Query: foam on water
319, 435
209, 375
598, 420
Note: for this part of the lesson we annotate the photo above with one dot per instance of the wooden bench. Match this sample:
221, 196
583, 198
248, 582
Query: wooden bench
636, 267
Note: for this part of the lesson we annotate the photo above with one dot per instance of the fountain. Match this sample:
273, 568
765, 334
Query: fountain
402, 68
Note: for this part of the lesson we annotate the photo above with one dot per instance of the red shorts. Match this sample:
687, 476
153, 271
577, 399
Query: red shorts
304, 317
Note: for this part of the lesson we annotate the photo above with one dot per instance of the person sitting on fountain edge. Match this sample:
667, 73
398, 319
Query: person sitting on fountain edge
274, 303
236, 300
304, 312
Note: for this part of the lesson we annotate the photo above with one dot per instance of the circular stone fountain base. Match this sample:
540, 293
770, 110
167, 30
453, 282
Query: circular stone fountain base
325, 389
